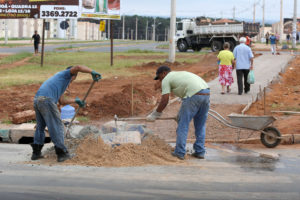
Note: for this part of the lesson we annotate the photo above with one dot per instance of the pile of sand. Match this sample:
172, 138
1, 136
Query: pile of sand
92, 151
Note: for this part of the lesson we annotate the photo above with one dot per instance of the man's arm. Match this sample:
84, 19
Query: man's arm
64, 101
163, 103
80, 68
251, 61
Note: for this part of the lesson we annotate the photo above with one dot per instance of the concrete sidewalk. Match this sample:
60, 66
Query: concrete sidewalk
266, 68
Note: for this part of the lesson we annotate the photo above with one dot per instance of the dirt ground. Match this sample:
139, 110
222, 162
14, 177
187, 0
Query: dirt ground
283, 96
114, 96
109, 96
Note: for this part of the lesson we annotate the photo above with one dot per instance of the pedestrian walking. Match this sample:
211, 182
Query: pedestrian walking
47, 113
267, 36
36, 41
194, 93
226, 59
244, 63
273, 41
288, 37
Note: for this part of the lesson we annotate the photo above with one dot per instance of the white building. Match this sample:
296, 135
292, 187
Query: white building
77, 30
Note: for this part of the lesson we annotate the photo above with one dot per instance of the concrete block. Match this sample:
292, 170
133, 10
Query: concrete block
122, 137
22, 117
110, 127
23, 130
136, 127
4, 135
88, 130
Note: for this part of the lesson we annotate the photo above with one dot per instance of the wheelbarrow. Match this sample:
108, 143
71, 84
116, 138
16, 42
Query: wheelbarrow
269, 135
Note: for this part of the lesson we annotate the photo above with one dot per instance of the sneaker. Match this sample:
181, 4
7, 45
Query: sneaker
178, 156
198, 155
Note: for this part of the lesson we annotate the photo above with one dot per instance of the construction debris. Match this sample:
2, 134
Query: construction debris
22, 117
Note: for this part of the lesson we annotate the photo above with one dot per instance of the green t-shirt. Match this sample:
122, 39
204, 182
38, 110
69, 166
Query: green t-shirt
182, 84
226, 57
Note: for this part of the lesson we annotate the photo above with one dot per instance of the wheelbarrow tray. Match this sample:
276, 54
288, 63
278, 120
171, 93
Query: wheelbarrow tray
251, 121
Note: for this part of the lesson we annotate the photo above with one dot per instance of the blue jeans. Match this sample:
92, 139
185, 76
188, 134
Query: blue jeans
195, 107
47, 114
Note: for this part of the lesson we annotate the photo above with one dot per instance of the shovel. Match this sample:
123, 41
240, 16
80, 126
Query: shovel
68, 135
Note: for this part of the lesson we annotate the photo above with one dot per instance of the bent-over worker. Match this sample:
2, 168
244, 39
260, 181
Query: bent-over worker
47, 113
194, 93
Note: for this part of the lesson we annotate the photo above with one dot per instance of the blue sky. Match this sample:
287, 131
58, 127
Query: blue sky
210, 8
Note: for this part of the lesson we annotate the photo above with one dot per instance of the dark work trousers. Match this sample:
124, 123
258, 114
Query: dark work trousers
240, 73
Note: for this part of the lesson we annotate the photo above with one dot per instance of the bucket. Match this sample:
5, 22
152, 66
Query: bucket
67, 112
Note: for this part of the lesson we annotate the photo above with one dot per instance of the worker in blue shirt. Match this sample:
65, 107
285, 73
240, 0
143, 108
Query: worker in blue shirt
47, 113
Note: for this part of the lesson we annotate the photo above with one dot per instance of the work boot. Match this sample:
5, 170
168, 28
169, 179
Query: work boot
178, 156
61, 154
36, 151
198, 155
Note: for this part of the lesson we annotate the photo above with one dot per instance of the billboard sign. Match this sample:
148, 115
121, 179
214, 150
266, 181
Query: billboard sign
10, 9
102, 9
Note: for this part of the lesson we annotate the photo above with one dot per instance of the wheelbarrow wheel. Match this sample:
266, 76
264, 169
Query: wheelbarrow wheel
271, 140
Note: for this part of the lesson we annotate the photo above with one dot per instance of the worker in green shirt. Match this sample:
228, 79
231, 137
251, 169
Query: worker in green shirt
194, 93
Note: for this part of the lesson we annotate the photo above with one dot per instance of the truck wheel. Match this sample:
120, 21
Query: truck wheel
272, 140
182, 46
216, 46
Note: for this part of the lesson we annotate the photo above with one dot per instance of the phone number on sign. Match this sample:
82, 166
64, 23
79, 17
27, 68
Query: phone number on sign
59, 14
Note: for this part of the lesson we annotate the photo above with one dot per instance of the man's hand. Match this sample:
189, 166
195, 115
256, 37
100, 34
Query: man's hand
251, 68
79, 102
96, 76
153, 116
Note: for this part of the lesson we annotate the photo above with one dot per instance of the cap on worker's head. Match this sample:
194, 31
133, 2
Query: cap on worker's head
243, 40
160, 70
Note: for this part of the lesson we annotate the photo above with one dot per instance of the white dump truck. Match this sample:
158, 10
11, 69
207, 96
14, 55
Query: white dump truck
198, 33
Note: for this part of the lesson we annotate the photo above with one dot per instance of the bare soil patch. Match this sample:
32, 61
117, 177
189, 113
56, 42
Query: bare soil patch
110, 96
283, 96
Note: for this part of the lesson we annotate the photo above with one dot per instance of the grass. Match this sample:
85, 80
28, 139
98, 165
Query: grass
14, 58
83, 119
32, 73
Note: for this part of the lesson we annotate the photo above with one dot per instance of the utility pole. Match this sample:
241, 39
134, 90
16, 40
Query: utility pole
281, 21
263, 19
153, 34
295, 25
123, 30
136, 28
172, 49
254, 7
146, 37
6, 34
233, 13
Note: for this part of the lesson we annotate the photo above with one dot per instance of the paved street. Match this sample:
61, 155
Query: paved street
227, 173
90, 47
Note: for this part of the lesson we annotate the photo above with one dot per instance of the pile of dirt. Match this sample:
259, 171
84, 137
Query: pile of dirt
283, 96
120, 102
93, 151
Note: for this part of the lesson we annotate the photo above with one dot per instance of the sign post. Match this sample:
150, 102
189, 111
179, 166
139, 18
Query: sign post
102, 9
43, 43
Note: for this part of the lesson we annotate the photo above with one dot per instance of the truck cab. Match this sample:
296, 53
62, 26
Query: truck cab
184, 29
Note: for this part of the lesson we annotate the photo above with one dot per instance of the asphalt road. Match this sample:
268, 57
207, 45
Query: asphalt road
90, 47
226, 173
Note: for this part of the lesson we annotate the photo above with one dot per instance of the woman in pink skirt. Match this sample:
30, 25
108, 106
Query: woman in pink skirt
226, 65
